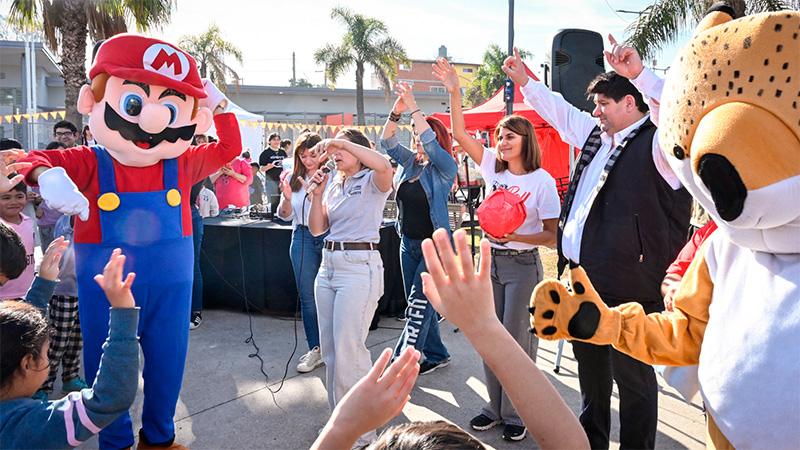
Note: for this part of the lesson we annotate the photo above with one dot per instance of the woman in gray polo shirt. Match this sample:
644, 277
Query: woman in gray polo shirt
350, 278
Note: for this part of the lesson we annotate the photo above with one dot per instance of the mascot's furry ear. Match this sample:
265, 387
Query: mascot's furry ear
718, 13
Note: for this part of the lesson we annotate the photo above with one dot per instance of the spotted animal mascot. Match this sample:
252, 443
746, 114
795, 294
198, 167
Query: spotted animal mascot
730, 125
131, 191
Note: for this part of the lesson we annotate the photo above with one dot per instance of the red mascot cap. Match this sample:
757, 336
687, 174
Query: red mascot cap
151, 61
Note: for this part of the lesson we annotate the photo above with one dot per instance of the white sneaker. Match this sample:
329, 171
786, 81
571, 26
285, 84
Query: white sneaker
310, 361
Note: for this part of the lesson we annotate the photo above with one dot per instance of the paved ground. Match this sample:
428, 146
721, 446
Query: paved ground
227, 403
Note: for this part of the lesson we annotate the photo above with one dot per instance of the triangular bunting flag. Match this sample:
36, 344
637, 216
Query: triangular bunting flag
26, 116
36, 116
62, 114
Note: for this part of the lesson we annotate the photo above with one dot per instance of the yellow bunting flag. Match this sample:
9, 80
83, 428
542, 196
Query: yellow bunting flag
62, 114
17, 117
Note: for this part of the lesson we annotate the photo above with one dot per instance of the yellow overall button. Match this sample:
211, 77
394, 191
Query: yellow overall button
108, 201
173, 197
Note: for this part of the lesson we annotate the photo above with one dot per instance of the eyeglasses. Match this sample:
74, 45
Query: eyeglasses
59, 134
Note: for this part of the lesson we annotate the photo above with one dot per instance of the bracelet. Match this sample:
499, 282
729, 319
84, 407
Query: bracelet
413, 112
394, 119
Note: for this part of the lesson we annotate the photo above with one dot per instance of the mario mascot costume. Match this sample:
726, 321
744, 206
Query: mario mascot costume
730, 126
132, 192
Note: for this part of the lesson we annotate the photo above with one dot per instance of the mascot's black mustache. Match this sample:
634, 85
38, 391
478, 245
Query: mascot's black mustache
133, 133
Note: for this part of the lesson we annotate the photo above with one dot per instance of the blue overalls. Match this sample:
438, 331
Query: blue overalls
147, 226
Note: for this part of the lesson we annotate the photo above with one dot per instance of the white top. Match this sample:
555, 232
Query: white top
749, 357
355, 208
538, 189
207, 203
574, 126
298, 198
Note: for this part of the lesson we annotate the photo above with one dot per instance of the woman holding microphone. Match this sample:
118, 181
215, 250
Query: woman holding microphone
305, 250
515, 164
429, 172
350, 279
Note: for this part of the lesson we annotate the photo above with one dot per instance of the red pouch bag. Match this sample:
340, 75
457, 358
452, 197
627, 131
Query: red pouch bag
501, 213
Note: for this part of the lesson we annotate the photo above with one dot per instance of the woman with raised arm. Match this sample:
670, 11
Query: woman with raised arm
515, 165
350, 279
306, 249
429, 172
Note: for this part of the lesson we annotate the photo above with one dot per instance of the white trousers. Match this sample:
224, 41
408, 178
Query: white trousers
347, 289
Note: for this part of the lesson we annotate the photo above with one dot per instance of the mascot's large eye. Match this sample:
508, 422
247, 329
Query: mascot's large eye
173, 111
131, 104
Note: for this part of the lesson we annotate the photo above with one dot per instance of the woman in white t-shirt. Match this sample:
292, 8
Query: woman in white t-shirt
350, 279
306, 249
515, 164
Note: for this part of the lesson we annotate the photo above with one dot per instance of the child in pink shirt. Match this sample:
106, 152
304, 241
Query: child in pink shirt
11, 204
231, 182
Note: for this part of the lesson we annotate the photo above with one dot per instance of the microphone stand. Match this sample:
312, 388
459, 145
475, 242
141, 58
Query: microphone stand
470, 205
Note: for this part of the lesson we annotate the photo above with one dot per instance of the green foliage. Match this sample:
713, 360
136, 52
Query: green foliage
664, 21
366, 42
489, 77
301, 82
210, 51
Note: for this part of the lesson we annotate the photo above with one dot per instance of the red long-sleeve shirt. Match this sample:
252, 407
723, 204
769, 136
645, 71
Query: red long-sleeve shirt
196, 163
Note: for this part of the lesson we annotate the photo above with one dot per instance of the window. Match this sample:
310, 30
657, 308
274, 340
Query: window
467, 69
438, 89
404, 67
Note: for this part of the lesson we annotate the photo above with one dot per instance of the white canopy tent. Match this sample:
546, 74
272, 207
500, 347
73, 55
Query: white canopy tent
252, 137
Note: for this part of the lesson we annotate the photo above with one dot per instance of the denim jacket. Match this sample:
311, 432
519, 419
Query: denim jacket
437, 177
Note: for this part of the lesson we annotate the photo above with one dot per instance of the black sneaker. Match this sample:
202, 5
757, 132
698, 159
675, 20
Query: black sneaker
427, 367
482, 422
196, 320
514, 432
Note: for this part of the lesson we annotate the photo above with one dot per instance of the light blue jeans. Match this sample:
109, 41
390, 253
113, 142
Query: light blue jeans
348, 287
422, 328
306, 255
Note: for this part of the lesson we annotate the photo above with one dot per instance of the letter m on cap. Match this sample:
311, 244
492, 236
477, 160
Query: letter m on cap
167, 61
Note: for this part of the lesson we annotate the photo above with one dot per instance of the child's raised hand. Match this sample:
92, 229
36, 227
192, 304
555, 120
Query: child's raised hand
118, 291
372, 402
8, 165
48, 270
459, 292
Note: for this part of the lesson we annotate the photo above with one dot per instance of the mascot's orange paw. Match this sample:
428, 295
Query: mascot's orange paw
557, 313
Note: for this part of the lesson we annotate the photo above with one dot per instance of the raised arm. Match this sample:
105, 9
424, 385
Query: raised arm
625, 60
464, 297
446, 73
369, 157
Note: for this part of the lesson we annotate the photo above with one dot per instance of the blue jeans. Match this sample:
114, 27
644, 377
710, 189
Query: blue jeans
422, 328
197, 238
306, 254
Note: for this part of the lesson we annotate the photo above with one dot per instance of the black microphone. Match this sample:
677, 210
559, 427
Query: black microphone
325, 169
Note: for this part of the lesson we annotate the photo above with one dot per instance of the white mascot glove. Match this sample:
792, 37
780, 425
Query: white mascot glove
61, 194
215, 97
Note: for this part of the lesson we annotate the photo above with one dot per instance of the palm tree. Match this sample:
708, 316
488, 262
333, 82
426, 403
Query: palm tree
67, 23
665, 20
365, 42
210, 50
490, 76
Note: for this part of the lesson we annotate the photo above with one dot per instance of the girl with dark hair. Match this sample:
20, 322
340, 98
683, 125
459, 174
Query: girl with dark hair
424, 184
515, 164
350, 279
86, 137
305, 250
25, 334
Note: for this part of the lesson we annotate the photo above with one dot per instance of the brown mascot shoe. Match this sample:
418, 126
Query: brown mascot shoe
144, 444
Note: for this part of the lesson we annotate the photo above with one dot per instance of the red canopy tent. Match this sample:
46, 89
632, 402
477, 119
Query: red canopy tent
484, 117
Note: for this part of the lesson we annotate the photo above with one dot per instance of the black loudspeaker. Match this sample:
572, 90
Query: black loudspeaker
576, 58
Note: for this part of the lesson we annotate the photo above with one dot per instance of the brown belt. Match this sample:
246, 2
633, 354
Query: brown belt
331, 245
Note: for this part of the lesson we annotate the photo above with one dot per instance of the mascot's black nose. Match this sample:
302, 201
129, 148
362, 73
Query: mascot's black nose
726, 186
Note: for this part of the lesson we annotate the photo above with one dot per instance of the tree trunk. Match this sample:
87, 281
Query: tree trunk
73, 56
360, 93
